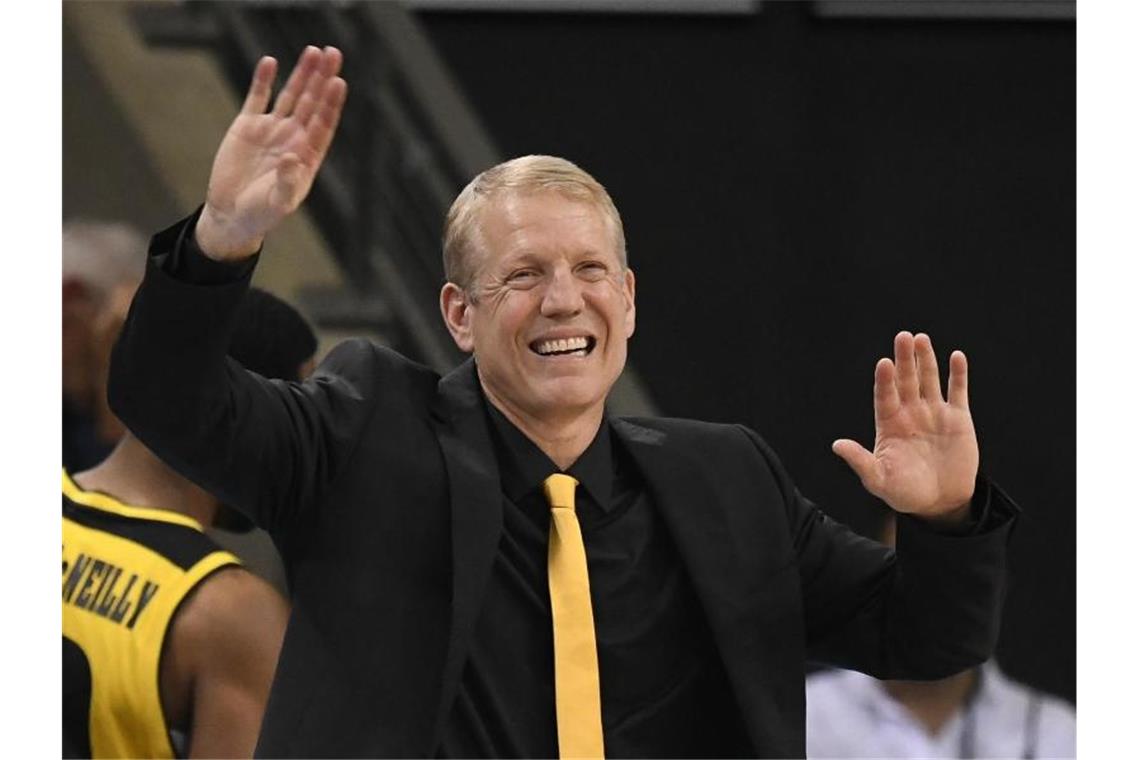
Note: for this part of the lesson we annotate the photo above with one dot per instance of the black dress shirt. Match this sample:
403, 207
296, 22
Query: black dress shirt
663, 687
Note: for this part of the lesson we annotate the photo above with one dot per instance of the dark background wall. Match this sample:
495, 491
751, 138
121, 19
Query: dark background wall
795, 190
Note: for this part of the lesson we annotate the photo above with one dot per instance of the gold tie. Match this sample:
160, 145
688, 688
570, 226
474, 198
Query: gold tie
577, 694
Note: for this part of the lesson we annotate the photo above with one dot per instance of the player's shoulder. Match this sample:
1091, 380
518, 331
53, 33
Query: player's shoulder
226, 604
122, 527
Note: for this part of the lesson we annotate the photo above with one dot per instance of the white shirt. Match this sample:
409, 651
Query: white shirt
851, 715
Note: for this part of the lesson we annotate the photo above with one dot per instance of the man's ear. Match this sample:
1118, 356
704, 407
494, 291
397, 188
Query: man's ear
457, 316
630, 290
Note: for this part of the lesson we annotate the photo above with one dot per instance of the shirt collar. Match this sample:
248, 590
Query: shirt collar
594, 470
523, 466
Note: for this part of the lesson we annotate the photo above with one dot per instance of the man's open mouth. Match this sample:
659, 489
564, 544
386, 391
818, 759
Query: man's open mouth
580, 346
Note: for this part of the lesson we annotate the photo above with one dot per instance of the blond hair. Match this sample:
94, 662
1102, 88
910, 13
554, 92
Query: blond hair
526, 174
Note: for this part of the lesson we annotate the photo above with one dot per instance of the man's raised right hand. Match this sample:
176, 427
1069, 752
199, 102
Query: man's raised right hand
267, 161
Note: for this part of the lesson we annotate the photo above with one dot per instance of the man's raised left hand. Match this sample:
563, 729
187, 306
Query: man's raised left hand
926, 452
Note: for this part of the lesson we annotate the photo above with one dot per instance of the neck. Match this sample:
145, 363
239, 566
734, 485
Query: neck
135, 476
563, 437
933, 703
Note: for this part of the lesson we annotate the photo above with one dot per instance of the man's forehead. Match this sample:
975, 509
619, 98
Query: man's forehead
515, 225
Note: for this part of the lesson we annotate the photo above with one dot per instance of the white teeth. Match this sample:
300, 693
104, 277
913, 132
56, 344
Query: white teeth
562, 345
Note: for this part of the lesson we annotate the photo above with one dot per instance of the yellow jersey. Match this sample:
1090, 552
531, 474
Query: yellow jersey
126, 570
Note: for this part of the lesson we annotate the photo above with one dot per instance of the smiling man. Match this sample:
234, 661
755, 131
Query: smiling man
538, 289
487, 563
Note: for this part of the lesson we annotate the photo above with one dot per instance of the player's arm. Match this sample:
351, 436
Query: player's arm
224, 644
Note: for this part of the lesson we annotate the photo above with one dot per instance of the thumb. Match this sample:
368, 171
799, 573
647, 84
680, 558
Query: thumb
858, 459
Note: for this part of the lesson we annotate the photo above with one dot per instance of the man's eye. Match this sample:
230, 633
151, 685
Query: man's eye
593, 270
522, 276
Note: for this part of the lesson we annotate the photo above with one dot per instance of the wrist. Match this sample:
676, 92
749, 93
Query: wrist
221, 240
955, 518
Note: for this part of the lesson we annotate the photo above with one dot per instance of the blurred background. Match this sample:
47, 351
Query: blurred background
798, 181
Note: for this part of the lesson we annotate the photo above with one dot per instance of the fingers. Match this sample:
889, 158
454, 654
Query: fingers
331, 61
320, 91
916, 373
322, 126
257, 99
319, 96
860, 460
956, 387
886, 392
306, 106
929, 384
307, 64
906, 369
307, 89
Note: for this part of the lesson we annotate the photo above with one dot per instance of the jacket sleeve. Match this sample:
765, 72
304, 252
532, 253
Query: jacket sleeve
927, 609
270, 448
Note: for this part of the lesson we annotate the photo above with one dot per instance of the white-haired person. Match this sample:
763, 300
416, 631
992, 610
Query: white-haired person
102, 265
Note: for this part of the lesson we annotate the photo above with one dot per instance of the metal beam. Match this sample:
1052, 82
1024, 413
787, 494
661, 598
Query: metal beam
699, 7
1012, 10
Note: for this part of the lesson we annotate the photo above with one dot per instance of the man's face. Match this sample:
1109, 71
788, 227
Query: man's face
552, 306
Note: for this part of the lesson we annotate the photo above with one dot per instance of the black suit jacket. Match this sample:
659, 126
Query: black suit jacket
378, 482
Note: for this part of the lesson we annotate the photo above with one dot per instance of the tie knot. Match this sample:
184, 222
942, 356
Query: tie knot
559, 490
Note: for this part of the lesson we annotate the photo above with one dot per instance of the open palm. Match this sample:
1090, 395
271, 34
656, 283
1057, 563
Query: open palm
267, 161
925, 458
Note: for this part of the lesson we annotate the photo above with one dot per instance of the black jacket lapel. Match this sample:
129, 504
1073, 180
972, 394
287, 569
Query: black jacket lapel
699, 513
699, 521
476, 516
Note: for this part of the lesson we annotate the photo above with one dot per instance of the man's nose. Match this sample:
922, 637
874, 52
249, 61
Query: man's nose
563, 295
